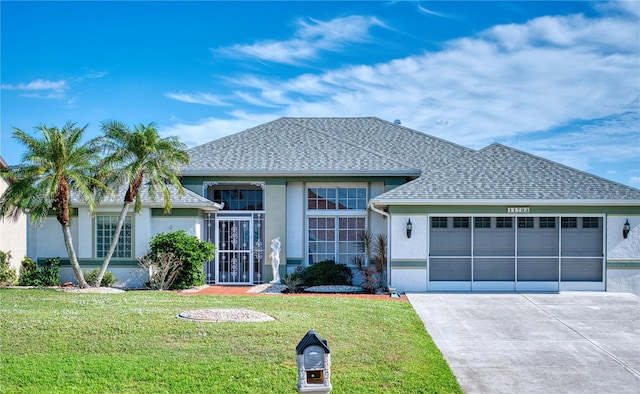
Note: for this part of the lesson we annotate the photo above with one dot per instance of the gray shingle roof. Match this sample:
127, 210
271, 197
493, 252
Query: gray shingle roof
188, 200
323, 146
499, 173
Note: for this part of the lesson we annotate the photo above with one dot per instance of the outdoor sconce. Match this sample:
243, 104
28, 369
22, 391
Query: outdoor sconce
625, 229
409, 228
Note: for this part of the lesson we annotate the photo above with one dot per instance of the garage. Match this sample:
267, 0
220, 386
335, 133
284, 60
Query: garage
515, 253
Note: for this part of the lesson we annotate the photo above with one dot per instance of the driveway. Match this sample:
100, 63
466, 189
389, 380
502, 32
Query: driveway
571, 342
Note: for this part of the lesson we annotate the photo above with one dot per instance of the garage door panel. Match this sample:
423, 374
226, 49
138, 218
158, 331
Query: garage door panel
494, 269
450, 243
494, 242
538, 242
583, 242
581, 270
538, 269
450, 269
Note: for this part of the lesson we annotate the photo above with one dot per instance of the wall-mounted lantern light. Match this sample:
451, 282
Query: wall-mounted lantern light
625, 229
409, 228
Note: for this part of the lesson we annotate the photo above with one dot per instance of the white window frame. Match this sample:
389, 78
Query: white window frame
123, 235
336, 213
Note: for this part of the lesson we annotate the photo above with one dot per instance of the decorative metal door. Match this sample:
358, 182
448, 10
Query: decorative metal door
235, 263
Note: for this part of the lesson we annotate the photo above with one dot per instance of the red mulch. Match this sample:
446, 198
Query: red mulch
243, 290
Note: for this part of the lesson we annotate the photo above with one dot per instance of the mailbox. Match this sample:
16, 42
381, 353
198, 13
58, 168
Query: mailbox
314, 364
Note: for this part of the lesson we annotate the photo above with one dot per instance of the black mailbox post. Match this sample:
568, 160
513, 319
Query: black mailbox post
314, 364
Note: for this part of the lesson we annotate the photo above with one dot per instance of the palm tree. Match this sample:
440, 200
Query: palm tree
138, 155
53, 167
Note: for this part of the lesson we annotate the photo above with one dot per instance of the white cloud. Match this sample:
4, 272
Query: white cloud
634, 180
38, 84
311, 37
198, 98
508, 83
213, 128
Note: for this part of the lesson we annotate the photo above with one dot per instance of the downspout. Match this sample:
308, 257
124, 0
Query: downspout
387, 217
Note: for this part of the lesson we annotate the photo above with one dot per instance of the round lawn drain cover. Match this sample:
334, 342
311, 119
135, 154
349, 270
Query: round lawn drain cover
225, 315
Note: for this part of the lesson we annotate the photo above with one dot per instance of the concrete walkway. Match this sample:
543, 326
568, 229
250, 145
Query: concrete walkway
574, 342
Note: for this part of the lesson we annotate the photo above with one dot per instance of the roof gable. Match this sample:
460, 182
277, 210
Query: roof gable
500, 173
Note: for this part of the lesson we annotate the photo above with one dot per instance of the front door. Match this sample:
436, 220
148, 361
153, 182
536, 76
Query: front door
235, 251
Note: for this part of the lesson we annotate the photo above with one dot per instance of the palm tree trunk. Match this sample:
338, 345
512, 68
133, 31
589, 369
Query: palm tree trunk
114, 243
68, 241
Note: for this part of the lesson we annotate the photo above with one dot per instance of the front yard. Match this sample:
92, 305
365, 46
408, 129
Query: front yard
52, 341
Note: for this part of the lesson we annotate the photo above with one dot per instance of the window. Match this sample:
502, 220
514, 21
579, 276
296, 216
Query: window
335, 238
482, 222
504, 222
590, 222
569, 222
237, 197
438, 222
332, 198
525, 222
460, 222
547, 222
105, 227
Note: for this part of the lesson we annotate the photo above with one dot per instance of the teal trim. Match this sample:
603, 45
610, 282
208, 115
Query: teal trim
72, 212
86, 263
294, 262
409, 264
623, 264
502, 209
177, 212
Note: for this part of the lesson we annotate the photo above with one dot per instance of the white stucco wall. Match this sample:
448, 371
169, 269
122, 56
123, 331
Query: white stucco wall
295, 220
13, 235
409, 279
47, 240
619, 248
623, 250
403, 248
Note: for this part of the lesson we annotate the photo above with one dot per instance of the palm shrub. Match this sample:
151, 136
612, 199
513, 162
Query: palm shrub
187, 248
47, 275
327, 272
7, 273
107, 279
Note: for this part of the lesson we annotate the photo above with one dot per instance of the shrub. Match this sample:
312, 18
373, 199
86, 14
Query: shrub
107, 279
7, 273
327, 273
187, 248
163, 268
47, 275
293, 281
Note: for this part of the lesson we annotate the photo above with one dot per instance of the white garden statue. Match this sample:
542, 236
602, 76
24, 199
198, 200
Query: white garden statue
275, 259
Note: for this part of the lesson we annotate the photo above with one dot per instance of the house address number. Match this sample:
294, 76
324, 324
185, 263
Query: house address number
518, 210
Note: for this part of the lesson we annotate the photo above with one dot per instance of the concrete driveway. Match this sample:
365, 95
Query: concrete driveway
574, 342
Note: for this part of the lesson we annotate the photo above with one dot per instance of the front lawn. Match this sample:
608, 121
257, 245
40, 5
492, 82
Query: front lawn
58, 342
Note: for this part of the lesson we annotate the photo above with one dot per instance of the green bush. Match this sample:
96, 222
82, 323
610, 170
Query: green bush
7, 274
188, 248
327, 273
107, 279
47, 275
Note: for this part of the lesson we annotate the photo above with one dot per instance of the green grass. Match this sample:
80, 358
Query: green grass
58, 342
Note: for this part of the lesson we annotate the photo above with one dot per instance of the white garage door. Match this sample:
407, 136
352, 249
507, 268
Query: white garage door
508, 253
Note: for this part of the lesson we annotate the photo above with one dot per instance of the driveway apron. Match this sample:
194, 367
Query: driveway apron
569, 342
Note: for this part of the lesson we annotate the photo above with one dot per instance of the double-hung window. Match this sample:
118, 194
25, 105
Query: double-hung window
105, 228
336, 221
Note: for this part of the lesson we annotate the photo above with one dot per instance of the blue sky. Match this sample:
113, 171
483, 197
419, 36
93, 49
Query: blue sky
557, 79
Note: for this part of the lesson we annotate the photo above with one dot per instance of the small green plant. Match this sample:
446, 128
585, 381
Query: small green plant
187, 248
327, 273
107, 280
293, 281
47, 275
7, 273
